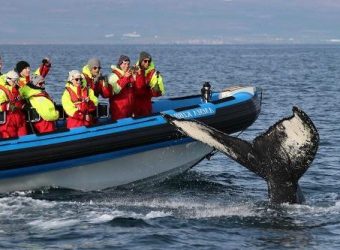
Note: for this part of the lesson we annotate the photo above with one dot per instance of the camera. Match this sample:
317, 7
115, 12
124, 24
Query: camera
134, 68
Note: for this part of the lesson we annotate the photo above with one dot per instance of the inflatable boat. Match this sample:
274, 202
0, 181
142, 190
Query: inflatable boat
129, 150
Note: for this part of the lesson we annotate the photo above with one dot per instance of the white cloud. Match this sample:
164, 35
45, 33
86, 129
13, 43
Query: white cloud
132, 35
334, 40
201, 41
109, 35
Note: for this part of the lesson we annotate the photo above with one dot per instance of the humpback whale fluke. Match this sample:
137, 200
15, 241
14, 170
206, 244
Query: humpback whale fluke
281, 155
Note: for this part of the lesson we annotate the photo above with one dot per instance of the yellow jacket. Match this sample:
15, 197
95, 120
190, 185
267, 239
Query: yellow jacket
3, 97
156, 83
113, 80
86, 70
42, 103
3, 79
69, 106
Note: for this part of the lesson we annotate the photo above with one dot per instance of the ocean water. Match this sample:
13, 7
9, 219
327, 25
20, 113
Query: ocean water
218, 204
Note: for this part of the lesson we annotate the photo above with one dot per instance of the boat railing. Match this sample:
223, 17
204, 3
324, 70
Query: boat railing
2, 118
102, 111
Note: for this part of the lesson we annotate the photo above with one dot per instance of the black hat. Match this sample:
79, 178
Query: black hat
21, 66
122, 58
144, 55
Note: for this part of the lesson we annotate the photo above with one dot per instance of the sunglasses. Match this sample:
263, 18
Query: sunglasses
146, 61
77, 79
13, 79
95, 68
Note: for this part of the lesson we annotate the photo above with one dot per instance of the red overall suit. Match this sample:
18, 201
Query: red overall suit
15, 124
143, 94
121, 104
83, 116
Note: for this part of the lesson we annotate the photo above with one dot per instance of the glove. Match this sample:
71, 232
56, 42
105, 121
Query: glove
45, 67
103, 77
82, 107
46, 61
78, 115
88, 117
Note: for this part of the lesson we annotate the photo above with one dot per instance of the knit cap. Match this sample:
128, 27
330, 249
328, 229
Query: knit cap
144, 55
94, 62
21, 65
121, 59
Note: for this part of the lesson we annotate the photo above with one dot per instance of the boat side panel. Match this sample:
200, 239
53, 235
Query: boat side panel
153, 164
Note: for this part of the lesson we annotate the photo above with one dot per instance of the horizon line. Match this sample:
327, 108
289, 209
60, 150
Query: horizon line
161, 44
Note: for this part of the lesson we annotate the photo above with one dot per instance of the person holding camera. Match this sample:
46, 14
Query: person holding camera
12, 122
121, 84
94, 78
151, 85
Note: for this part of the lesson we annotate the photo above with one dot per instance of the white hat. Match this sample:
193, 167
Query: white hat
74, 74
12, 75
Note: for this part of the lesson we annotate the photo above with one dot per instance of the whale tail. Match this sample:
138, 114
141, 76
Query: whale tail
281, 155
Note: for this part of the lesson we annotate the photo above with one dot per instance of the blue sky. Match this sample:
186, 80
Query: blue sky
168, 22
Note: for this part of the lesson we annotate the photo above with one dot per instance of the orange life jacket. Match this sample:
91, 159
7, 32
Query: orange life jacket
117, 73
80, 96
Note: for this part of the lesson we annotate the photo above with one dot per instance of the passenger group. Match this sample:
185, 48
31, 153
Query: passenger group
26, 106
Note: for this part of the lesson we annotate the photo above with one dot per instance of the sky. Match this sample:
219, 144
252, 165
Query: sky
169, 21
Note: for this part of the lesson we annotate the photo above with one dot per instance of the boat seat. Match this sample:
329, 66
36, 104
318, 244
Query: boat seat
60, 108
102, 110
